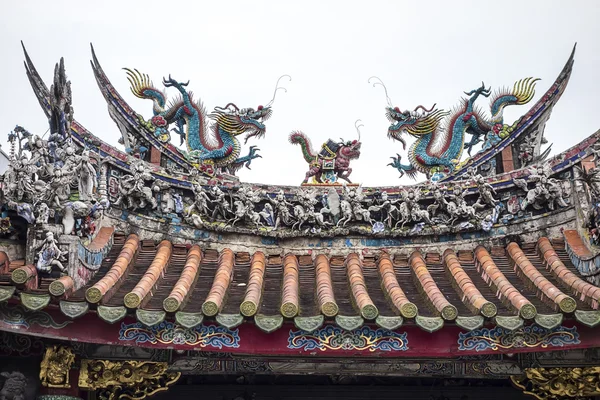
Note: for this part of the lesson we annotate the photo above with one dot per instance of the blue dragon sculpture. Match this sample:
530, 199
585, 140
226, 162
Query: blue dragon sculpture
441, 134
210, 147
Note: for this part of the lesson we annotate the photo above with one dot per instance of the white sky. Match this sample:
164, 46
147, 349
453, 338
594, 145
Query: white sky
234, 51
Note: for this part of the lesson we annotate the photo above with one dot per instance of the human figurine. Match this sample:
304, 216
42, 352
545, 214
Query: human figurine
282, 209
486, 193
200, 203
86, 177
221, 207
59, 187
49, 255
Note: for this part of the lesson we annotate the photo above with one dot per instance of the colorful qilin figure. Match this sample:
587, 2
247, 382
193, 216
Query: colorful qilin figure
441, 135
211, 146
331, 163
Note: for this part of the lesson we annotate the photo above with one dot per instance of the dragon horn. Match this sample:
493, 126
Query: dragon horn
358, 127
277, 87
389, 101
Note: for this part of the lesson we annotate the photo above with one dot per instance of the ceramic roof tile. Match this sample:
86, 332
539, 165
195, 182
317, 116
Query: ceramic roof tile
180, 292
550, 292
505, 288
393, 290
325, 295
214, 301
435, 296
142, 290
290, 290
471, 294
358, 287
567, 278
251, 303
116, 274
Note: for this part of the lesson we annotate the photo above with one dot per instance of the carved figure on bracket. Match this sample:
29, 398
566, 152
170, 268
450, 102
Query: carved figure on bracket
50, 255
55, 367
486, 192
87, 177
43, 213
59, 188
547, 191
591, 178
245, 211
387, 208
332, 162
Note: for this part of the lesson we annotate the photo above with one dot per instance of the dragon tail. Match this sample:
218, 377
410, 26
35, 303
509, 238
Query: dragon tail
521, 93
300, 138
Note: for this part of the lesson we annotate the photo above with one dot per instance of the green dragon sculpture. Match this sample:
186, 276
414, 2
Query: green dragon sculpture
210, 147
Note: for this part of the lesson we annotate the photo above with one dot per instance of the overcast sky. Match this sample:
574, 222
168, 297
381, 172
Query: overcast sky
234, 51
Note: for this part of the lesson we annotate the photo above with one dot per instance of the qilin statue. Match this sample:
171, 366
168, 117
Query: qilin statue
14, 386
211, 146
332, 162
441, 135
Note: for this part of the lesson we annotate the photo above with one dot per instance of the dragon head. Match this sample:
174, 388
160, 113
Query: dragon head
414, 123
253, 121
237, 121
350, 150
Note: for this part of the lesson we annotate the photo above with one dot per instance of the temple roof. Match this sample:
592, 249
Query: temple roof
508, 285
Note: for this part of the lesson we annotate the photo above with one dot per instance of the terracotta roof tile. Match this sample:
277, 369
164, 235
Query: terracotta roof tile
360, 295
567, 278
430, 289
214, 301
472, 296
290, 291
393, 290
140, 293
116, 274
251, 303
325, 295
506, 290
186, 281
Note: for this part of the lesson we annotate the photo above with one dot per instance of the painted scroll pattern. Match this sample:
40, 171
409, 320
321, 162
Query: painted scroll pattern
169, 333
19, 316
531, 336
331, 338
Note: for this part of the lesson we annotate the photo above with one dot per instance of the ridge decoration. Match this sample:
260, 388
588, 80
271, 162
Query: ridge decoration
441, 134
209, 147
